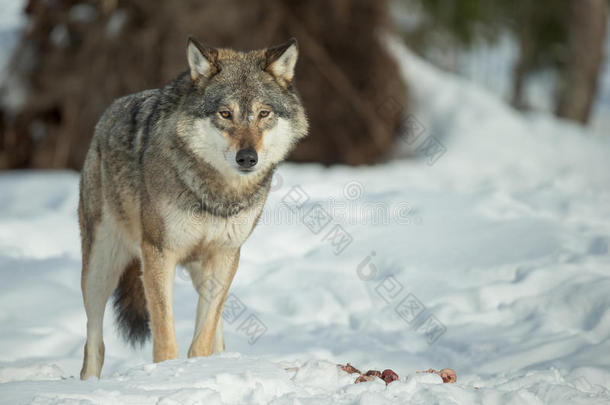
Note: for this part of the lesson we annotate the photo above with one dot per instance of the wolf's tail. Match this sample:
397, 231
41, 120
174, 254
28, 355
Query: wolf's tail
130, 306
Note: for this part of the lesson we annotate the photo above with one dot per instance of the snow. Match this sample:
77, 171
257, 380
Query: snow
489, 255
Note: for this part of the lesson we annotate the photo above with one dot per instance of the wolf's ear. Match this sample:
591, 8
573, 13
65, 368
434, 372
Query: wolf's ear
202, 59
280, 61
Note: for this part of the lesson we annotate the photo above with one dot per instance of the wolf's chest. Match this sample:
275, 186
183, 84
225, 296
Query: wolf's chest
188, 229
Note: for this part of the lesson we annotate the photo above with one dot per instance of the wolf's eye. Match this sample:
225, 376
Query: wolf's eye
263, 113
225, 114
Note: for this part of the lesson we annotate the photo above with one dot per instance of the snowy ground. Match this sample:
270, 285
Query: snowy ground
488, 255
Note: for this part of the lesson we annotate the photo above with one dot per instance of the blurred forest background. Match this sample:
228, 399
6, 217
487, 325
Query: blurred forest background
75, 57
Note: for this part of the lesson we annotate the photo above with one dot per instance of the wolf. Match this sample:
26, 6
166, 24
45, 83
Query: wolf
179, 176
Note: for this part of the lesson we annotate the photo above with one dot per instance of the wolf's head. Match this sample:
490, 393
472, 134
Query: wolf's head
244, 113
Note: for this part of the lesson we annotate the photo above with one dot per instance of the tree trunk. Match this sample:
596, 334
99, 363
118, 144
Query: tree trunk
587, 30
519, 75
524, 64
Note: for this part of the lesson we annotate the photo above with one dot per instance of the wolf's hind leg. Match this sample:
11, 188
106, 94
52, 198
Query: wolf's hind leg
103, 266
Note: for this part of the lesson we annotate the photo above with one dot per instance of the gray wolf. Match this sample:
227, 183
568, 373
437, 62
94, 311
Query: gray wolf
179, 176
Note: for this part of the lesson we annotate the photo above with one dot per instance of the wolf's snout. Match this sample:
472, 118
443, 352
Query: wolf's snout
246, 158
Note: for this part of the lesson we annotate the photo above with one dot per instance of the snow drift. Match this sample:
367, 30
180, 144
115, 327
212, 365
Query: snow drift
488, 254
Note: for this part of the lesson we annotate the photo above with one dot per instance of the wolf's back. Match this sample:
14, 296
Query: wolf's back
126, 119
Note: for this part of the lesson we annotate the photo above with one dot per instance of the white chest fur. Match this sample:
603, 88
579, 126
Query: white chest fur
185, 230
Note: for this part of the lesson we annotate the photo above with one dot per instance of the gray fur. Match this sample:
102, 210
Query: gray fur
144, 154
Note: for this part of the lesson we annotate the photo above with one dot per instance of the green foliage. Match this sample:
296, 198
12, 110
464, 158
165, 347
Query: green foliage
539, 26
463, 19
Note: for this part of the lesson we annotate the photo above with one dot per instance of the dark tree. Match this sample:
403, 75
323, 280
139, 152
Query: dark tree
77, 56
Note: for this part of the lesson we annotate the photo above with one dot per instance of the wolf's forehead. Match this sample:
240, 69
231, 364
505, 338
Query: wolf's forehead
242, 85
243, 93
243, 68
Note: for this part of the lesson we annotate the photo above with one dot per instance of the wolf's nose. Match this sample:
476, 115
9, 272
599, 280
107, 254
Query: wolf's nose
246, 158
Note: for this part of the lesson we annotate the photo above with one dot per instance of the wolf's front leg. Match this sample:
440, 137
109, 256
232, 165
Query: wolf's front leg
158, 270
212, 279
